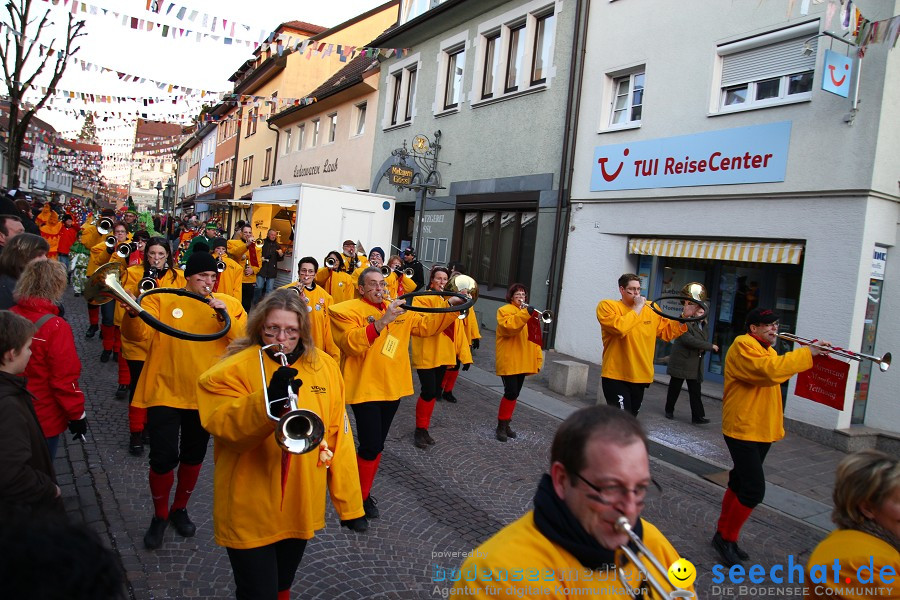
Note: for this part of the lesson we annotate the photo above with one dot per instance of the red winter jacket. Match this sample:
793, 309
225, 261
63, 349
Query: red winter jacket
53, 369
66, 238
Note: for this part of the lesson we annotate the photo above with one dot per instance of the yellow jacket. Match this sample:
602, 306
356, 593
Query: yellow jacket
472, 331
339, 284
231, 279
368, 374
853, 550
319, 304
520, 562
241, 254
436, 350
751, 401
174, 278
462, 343
99, 257
170, 373
515, 355
89, 235
629, 340
393, 283
362, 258
249, 510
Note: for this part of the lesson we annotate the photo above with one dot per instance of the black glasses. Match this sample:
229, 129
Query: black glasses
613, 493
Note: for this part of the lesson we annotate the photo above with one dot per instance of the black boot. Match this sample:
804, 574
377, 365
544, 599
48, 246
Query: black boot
449, 397
136, 443
501, 430
104, 356
509, 432
121, 392
153, 539
91, 331
420, 438
182, 522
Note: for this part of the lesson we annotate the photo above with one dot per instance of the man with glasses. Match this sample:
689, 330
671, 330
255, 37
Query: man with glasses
752, 418
318, 303
373, 334
629, 329
599, 472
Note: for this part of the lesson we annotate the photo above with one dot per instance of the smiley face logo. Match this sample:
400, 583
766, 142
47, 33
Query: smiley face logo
602, 162
836, 82
682, 573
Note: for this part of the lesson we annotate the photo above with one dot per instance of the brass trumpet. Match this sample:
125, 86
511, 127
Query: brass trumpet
111, 241
386, 271
125, 250
104, 225
259, 242
331, 263
884, 362
149, 280
546, 315
220, 266
640, 559
299, 430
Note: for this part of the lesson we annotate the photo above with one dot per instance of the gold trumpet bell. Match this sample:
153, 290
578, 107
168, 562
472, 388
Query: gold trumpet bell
463, 284
97, 289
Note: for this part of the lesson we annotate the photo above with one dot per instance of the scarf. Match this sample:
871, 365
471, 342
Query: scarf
874, 529
554, 519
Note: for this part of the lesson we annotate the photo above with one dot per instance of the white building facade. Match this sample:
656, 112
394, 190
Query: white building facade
712, 153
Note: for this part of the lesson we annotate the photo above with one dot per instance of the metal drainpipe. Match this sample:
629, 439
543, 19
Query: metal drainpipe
582, 15
274, 150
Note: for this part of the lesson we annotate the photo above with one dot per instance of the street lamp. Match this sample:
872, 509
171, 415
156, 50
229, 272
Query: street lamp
158, 189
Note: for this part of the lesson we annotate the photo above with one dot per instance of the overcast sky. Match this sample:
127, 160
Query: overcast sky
186, 62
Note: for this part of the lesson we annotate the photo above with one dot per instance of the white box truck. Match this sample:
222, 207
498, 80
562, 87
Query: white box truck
323, 218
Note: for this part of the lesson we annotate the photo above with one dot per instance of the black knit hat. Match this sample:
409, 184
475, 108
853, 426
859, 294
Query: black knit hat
199, 262
219, 242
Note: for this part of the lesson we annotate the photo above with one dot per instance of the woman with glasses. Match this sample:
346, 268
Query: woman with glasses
156, 269
167, 388
867, 541
269, 503
317, 302
518, 352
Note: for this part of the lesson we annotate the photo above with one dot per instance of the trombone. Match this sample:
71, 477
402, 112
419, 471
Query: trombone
298, 430
883, 362
546, 315
640, 558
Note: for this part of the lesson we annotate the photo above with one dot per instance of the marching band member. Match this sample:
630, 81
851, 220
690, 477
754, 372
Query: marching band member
752, 418
430, 357
135, 258
410, 260
376, 260
373, 335
158, 270
599, 472
351, 258
336, 280
464, 346
398, 282
167, 388
629, 328
318, 303
229, 281
518, 352
267, 507
867, 539
210, 232
90, 237
244, 252
102, 253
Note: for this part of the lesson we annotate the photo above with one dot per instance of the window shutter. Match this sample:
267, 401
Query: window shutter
773, 60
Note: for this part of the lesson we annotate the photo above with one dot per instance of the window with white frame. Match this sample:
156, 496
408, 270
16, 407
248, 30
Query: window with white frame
314, 137
301, 134
401, 92
360, 127
770, 69
453, 77
288, 135
514, 52
627, 101
332, 127
267, 165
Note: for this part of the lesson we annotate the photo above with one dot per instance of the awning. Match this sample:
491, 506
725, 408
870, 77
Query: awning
784, 253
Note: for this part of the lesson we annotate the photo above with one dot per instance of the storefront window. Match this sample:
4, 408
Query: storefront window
863, 374
498, 247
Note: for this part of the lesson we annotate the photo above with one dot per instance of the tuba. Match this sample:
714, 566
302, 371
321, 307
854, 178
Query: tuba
298, 430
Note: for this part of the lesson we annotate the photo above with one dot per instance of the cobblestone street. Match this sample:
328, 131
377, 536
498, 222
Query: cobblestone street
434, 503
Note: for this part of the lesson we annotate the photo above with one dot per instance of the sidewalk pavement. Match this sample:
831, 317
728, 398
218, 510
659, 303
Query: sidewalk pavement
799, 472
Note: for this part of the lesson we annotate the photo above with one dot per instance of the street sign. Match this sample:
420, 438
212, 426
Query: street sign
400, 175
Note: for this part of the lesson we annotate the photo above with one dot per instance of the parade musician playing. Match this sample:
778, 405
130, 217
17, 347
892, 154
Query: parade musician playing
373, 335
244, 252
599, 471
318, 302
167, 388
269, 503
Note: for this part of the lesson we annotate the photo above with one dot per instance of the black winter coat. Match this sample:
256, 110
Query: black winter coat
269, 268
27, 479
